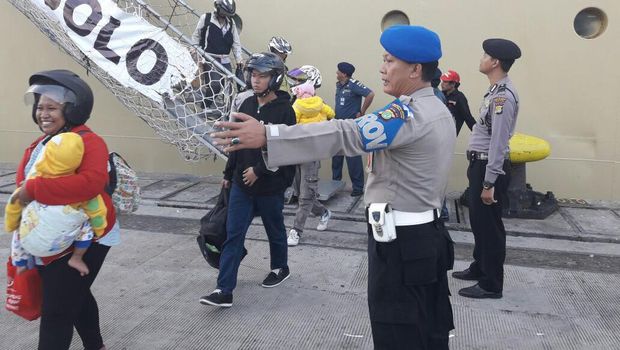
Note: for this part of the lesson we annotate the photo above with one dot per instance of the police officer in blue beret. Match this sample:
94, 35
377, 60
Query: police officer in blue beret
409, 143
489, 169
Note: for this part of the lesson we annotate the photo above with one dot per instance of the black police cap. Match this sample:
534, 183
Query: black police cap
501, 49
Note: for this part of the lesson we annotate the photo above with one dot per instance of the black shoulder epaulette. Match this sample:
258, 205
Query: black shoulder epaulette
503, 88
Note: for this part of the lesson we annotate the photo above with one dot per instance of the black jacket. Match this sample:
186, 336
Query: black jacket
457, 104
278, 111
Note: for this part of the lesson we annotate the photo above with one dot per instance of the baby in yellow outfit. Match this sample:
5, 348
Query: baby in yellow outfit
308, 107
61, 156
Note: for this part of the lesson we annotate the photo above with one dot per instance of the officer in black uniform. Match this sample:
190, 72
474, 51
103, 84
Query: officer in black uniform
488, 171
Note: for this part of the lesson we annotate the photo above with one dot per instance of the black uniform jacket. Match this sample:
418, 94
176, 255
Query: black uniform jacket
457, 104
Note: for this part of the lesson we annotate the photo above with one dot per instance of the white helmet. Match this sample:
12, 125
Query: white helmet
313, 74
278, 44
225, 7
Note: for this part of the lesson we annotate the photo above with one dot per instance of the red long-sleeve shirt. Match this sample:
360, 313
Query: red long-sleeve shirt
88, 181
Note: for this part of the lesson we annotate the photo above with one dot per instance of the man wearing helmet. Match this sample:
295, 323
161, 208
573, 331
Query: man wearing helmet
282, 49
279, 46
457, 102
62, 102
254, 188
217, 35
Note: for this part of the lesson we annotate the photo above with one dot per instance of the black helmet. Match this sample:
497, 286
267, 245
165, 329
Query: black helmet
225, 7
77, 109
266, 62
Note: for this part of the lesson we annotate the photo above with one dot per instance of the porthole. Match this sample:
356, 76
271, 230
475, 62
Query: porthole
393, 18
590, 23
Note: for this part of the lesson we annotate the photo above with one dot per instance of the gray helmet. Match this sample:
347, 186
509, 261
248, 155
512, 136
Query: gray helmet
313, 75
265, 62
279, 44
76, 109
225, 7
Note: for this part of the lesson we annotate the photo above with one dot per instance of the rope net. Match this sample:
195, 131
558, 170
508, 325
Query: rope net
182, 113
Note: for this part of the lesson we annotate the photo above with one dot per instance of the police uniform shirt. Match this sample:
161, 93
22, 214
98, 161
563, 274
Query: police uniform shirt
410, 172
498, 117
349, 98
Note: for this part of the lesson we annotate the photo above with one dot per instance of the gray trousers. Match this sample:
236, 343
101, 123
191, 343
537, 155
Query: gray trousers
308, 194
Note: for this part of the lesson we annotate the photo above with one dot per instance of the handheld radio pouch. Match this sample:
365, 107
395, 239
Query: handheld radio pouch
381, 218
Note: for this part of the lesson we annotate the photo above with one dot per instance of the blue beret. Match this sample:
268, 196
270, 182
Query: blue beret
501, 49
346, 68
412, 44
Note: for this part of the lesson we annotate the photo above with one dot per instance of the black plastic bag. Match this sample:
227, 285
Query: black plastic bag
212, 234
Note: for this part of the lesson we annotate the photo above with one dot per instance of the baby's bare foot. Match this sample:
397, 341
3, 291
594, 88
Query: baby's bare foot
79, 265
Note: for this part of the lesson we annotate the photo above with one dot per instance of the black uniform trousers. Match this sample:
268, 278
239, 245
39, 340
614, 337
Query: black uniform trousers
68, 302
487, 227
408, 293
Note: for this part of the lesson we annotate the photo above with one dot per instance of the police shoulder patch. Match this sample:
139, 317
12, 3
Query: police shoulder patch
378, 129
499, 104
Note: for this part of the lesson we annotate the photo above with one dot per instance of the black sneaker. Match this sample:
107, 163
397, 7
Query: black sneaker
217, 298
273, 280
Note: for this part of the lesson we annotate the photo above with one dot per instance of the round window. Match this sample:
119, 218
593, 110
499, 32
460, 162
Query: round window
393, 18
590, 23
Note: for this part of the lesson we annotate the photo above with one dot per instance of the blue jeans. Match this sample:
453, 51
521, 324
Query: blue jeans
356, 171
241, 208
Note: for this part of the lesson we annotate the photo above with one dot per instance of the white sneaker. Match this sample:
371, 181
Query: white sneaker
293, 238
322, 226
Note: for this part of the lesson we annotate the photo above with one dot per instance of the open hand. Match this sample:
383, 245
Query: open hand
247, 132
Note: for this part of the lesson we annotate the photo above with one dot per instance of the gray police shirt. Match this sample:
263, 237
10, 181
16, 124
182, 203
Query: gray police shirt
496, 125
410, 171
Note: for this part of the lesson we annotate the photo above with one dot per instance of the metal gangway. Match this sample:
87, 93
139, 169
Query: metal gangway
143, 53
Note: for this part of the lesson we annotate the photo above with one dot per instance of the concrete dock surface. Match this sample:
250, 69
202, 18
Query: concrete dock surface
562, 285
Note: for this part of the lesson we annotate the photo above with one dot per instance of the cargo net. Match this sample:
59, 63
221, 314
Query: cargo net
183, 118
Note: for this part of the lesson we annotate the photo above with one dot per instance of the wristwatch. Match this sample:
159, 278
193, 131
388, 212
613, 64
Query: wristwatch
487, 185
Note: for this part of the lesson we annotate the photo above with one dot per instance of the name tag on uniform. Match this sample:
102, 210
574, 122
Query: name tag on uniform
378, 129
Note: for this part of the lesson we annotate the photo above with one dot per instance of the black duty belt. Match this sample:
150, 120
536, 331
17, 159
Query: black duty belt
475, 155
